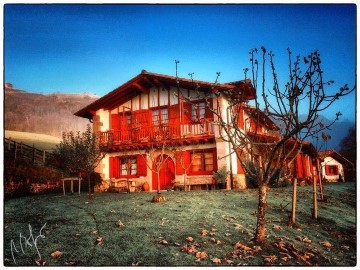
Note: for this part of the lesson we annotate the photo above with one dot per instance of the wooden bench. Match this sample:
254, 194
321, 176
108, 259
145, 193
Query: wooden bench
125, 183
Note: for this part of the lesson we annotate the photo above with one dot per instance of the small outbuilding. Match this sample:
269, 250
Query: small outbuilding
333, 166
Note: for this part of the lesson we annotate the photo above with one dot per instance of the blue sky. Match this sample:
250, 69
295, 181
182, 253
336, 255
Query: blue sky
95, 48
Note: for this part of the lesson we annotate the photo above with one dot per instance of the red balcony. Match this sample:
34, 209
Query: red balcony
138, 136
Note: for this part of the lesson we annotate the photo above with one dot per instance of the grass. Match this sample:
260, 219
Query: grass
40, 141
74, 222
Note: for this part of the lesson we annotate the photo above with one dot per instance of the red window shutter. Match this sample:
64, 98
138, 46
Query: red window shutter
241, 118
299, 167
141, 165
174, 115
115, 121
183, 160
215, 160
305, 166
240, 169
111, 167
116, 167
187, 112
327, 169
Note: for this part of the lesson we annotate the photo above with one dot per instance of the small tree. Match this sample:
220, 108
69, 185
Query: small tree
80, 152
161, 145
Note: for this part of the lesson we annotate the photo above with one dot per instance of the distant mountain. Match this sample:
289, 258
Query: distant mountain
337, 131
50, 114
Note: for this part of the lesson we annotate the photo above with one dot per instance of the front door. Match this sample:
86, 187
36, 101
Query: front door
166, 175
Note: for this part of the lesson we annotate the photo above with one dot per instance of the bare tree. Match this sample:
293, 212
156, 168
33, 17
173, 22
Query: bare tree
293, 110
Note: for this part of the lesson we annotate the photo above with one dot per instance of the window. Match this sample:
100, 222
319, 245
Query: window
160, 116
128, 166
331, 170
203, 161
155, 117
164, 116
198, 111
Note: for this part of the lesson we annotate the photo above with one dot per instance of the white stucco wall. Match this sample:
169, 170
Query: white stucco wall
104, 118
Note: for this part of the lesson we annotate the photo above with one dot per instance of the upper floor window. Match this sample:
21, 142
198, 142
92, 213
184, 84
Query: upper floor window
198, 111
160, 116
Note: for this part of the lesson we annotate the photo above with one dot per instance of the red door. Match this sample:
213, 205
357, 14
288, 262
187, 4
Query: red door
166, 175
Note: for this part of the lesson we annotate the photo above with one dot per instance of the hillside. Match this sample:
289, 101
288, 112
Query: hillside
40, 141
50, 114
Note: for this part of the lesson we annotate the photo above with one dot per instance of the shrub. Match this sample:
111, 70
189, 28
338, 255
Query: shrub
221, 175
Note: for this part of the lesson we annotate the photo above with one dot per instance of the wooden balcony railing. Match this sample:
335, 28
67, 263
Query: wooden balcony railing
145, 134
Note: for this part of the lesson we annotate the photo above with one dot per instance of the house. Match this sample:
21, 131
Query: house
306, 165
171, 116
333, 166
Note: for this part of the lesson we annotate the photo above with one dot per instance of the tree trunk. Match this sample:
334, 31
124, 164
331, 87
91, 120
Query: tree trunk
89, 184
260, 232
293, 209
158, 181
315, 211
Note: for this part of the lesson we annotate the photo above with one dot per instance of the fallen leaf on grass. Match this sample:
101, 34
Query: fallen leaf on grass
212, 240
40, 262
216, 260
214, 230
163, 242
120, 224
94, 232
229, 262
56, 254
227, 234
306, 240
176, 244
201, 255
204, 232
285, 259
189, 249
237, 226
189, 239
345, 248
269, 260
277, 227
326, 244
238, 245
220, 242
136, 263
71, 263
99, 241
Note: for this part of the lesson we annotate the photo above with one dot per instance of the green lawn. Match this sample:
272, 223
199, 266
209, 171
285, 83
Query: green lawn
73, 223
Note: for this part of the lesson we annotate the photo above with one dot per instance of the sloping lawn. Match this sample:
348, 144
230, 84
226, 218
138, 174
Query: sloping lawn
157, 234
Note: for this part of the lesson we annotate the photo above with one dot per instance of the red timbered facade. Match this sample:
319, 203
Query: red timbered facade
149, 110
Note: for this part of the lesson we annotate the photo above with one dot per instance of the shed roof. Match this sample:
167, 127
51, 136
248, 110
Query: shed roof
335, 155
